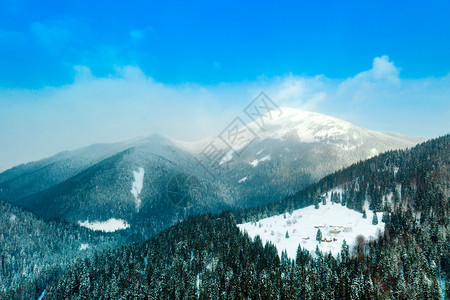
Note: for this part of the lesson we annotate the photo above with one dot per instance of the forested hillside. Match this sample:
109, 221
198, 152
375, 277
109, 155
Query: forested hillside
416, 179
208, 257
33, 252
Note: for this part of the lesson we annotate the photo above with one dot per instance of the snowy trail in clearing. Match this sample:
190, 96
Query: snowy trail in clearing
137, 186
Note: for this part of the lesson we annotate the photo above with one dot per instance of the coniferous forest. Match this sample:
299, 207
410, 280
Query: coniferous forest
33, 251
207, 257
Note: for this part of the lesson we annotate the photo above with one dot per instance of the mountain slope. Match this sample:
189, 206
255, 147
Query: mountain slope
208, 257
34, 177
98, 183
400, 173
108, 190
297, 148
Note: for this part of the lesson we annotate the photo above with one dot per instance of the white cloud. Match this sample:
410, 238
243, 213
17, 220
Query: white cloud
127, 104
300, 92
384, 69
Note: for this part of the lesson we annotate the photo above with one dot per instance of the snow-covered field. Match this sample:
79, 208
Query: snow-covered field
108, 226
336, 222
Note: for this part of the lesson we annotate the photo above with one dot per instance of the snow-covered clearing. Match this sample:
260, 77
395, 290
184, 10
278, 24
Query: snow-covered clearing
107, 226
137, 186
255, 162
336, 222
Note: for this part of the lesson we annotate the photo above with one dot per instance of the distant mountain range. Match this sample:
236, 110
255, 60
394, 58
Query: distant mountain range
153, 182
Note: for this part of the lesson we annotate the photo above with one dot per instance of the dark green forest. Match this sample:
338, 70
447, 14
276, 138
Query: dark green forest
34, 251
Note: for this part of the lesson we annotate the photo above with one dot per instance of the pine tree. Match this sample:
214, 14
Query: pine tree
316, 202
364, 214
345, 251
375, 218
396, 196
287, 234
319, 235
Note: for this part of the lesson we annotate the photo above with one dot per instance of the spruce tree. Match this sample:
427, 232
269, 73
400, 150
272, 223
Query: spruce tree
375, 218
319, 235
345, 250
316, 202
316, 205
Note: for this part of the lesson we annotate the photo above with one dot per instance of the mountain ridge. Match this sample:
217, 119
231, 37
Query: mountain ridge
96, 182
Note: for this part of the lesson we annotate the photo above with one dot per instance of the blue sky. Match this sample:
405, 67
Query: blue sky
210, 41
383, 65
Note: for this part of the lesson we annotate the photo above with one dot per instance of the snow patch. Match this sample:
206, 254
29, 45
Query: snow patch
243, 179
226, 158
255, 162
373, 152
198, 283
83, 247
12, 218
395, 170
137, 186
336, 222
107, 226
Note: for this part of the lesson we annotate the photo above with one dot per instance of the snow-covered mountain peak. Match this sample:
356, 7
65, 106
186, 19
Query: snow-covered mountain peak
302, 125
296, 125
311, 127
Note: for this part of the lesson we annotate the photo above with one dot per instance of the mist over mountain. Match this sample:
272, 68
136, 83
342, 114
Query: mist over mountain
154, 182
